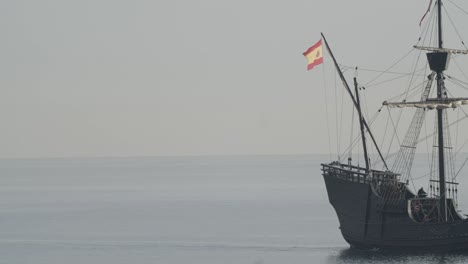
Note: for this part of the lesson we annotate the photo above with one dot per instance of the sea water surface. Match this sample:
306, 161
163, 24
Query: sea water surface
182, 210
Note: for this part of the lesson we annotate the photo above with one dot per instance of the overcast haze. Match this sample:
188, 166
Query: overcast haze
138, 78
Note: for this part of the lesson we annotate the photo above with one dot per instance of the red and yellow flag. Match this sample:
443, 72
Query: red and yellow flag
314, 55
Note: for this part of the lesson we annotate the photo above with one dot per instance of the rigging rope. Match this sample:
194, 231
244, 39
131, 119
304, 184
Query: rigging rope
451, 124
357, 138
456, 132
388, 69
452, 78
336, 121
351, 137
395, 134
379, 71
404, 160
326, 111
415, 92
396, 78
341, 114
425, 32
416, 62
454, 27
463, 165
464, 11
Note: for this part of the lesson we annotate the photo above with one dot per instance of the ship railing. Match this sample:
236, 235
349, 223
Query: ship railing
358, 174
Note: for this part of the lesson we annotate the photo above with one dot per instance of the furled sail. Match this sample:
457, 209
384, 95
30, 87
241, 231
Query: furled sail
430, 103
431, 49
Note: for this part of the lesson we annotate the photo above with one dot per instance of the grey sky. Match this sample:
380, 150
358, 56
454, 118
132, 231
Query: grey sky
125, 78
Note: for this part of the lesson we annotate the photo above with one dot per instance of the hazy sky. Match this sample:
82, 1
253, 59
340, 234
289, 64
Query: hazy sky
125, 78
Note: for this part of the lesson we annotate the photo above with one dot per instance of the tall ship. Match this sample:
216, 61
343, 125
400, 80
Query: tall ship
376, 202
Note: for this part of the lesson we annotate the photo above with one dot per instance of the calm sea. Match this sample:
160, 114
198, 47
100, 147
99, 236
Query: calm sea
182, 210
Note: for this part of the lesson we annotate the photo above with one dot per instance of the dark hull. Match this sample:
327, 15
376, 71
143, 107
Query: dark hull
368, 221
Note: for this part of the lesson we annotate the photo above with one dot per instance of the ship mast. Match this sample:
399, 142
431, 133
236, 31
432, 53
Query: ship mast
440, 126
355, 103
361, 123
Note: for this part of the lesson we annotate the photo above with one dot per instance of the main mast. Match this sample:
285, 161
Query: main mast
440, 125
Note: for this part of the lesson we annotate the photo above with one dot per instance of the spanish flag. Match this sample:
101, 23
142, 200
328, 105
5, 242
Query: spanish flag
314, 55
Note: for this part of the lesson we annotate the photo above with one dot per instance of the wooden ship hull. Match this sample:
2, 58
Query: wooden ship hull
368, 220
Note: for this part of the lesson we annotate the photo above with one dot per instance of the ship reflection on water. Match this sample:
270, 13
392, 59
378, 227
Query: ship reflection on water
351, 256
